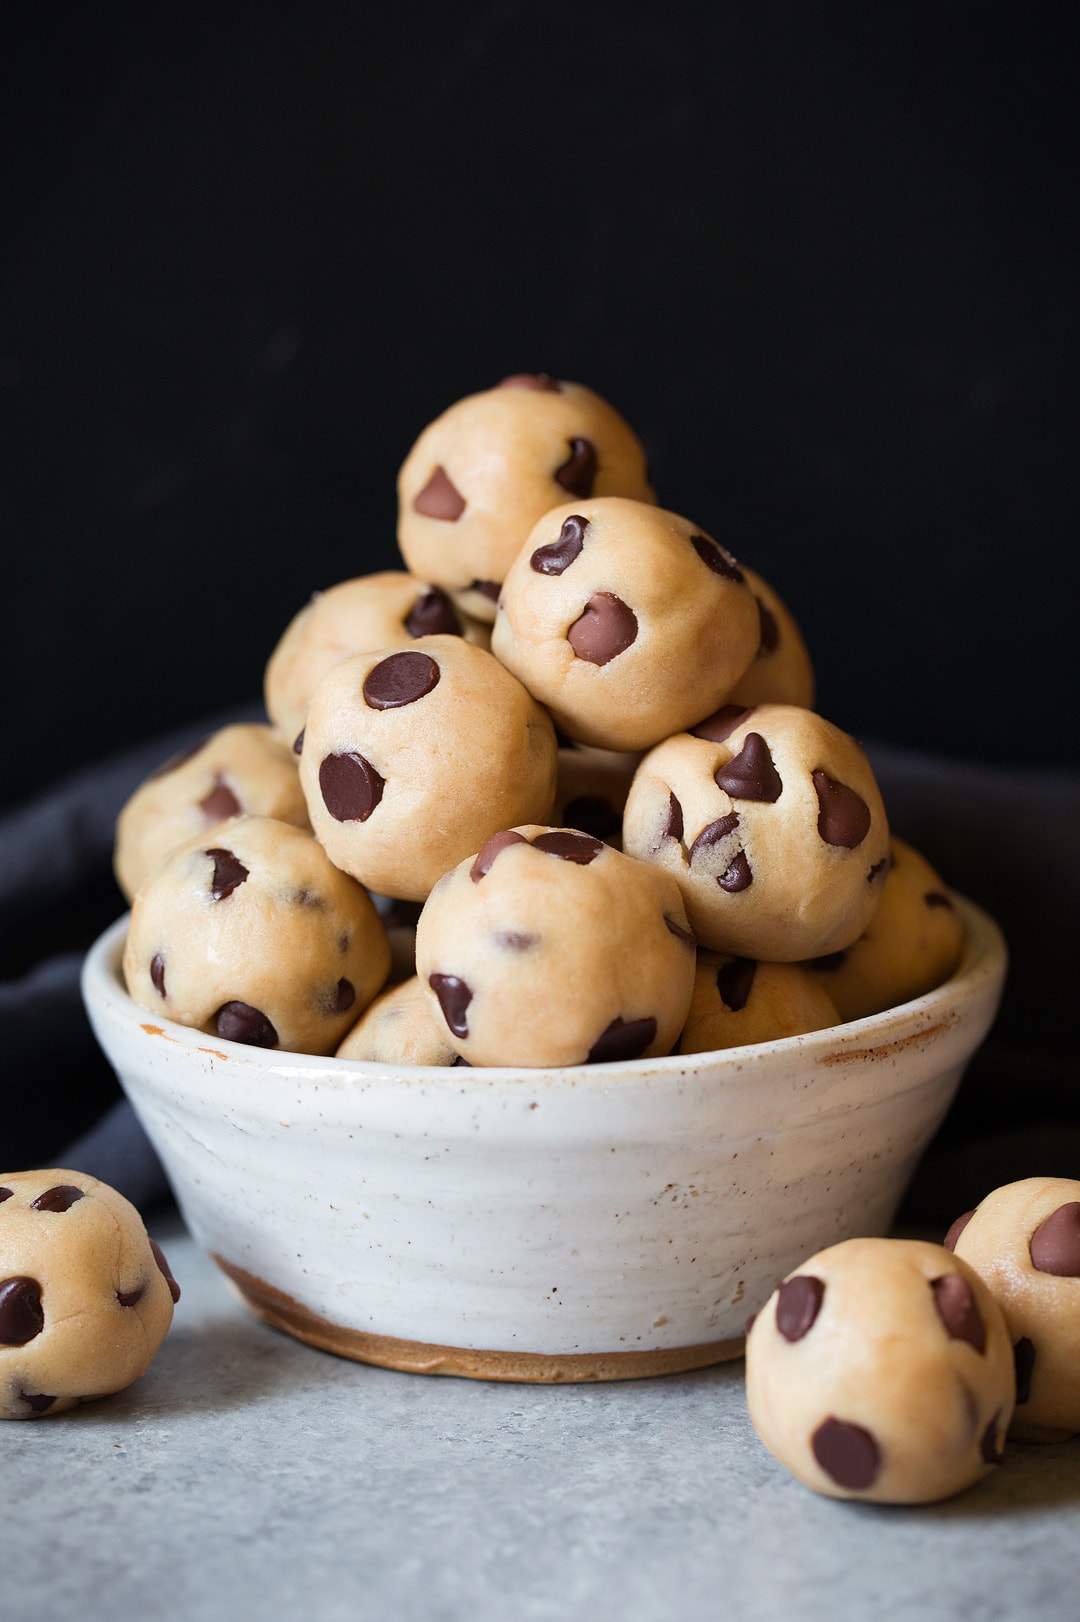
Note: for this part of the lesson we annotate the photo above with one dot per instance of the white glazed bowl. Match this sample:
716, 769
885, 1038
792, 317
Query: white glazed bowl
598, 1222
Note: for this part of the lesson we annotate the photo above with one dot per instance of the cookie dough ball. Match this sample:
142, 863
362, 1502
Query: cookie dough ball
770, 820
412, 758
239, 769
385, 610
480, 476
881, 1369
256, 937
400, 1027
1023, 1240
737, 1000
86, 1298
591, 790
911, 944
550, 948
780, 672
627, 621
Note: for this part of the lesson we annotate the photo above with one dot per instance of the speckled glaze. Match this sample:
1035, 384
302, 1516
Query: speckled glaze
586, 1223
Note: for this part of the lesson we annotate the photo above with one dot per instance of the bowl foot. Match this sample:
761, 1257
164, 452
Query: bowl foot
419, 1357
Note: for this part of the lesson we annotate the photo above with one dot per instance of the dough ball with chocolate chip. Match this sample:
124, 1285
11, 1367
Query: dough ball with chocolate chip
770, 820
739, 1000
911, 944
86, 1298
242, 768
591, 790
411, 758
550, 948
627, 621
400, 1027
780, 672
254, 936
881, 1369
1023, 1240
480, 476
386, 610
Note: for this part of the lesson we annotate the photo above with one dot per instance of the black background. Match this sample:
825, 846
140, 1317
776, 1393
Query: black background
822, 256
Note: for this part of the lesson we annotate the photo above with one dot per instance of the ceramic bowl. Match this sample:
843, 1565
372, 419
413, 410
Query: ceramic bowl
596, 1222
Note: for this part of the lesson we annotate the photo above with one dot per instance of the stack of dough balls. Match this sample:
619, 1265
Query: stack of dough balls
86, 1298
690, 857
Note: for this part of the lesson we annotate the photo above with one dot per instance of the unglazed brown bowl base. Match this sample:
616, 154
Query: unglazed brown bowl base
417, 1357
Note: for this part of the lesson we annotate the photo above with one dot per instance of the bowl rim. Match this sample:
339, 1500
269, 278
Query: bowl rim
984, 960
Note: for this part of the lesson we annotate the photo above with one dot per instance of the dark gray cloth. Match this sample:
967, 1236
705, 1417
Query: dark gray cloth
1008, 839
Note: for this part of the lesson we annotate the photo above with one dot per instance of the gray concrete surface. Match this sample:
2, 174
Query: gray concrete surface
250, 1476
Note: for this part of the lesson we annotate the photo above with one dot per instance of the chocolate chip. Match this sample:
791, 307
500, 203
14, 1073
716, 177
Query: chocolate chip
60, 1198
298, 742
491, 848
843, 815
540, 382
487, 588
606, 628
220, 803
464, 1063
847, 1453
571, 846
515, 940
712, 834
344, 996
578, 473
557, 556
351, 787
878, 871
990, 1448
454, 999
157, 973
721, 723
734, 981
400, 679
798, 1303
440, 498
21, 1313
958, 1310
739, 876
752, 774
936, 898
239, 1022
680, 933
957, 1229
229, 873
831, 961
770, 631
37, 1401
165, 1270
1055, 1244
593, 815
130, 1298
433, 614
673, 824
718, 558
623, 1039
6, 1194
1024, 1359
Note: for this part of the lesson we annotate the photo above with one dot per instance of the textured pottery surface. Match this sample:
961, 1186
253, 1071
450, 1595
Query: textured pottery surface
571, 1224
